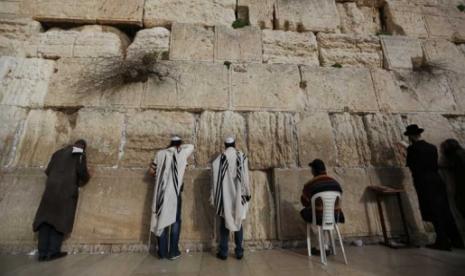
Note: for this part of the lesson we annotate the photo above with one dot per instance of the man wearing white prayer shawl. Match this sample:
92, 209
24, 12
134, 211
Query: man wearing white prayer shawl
230, 195
168, 169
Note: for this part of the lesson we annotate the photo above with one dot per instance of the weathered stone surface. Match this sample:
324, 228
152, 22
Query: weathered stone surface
405, 19
456, 83
444, 54
24, 82
214, 127
191, 42
437, 127
238, 45
458, 125
271, 140
14, 32
99, 11
260, 12
350, 50
337, 89
12, 119
194, 86
306, 15
260, 224
149, 41
45, 131
289, 47
204, 12
358, 20
316, 139
102, 130
149, 131
399, 51
266, 87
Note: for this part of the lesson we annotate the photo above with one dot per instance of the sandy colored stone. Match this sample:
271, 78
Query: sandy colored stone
203, 12
24, 82
188, 85
266, 87
456, 82
358, 20
238, 45
308, 15
149, 41
260, 12
350, 50
271, 140
12, 119
458, 125
191, 42
316, 139
150, 131
260, 224
289, 47
445, 54
45, 131
405, 19
398, 51
15, 32
99, 11
337, 89
102, 130
439, 27
214, 127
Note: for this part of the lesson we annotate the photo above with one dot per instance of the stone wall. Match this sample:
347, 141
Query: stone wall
337, 80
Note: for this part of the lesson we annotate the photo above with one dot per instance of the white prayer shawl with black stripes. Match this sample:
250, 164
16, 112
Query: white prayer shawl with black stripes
231, 187
171, 165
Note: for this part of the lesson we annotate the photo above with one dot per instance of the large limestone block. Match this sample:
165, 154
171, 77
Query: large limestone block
392, 95
102, 130
456, 82
238, 45
20, 193
213, 128
290, 47
405, 19
445, 54
307, 15
204, 12
12, 119
399, 51
14, 34
193, 86
98, 11
361, 20
114, 207
260, 12
337, 89
260, 224
271, 140
45, 131
191, 42
316, 139
350, 50
24, 82
149, 41
266, 87
149, 131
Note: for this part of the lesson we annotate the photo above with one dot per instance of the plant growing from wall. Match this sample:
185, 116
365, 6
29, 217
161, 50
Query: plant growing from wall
240, 23
337, 65
461, 7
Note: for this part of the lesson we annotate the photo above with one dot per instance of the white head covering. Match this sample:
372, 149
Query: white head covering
175, 138
229, 140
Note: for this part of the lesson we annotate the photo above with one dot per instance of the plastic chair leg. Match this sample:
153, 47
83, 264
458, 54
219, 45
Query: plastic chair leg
342, 245
309, 242
322, 246
333, 243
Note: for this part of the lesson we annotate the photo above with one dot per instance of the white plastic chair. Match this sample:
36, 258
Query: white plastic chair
328, 224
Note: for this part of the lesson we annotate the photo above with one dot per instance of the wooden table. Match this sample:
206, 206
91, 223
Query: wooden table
382, 192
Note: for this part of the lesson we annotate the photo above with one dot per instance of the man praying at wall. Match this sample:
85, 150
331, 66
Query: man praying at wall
422, 160
321, 182
66, 172
168, 169
230, 195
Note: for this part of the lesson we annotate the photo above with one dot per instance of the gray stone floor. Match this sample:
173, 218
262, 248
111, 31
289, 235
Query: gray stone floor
368, 260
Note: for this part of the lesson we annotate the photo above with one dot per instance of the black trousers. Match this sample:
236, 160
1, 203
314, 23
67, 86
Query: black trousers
50, 240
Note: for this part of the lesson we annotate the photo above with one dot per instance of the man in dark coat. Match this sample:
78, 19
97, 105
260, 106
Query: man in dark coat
422, 160
66, 172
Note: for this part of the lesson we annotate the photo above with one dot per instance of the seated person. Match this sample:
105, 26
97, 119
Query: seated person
321, 182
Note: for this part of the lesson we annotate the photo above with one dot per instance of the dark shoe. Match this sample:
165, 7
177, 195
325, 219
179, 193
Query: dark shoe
42, 258
435, 246
239, 257
221, 257
174, 257
57, 256
317, 252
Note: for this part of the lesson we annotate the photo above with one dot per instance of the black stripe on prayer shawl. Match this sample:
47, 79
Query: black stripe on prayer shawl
219, 188
174, 171
239, 176
161, 189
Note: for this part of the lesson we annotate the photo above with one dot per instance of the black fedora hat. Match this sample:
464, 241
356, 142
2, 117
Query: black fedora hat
413, 130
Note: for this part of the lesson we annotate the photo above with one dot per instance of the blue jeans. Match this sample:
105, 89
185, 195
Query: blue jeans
168, 249
224, 239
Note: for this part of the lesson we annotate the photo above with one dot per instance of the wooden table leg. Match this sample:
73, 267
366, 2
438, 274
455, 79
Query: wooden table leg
383, 224
402, 214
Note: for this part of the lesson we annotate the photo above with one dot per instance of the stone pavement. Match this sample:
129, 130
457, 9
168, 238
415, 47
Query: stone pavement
368, 260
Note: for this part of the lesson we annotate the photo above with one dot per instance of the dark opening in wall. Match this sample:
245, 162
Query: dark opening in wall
242, 17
